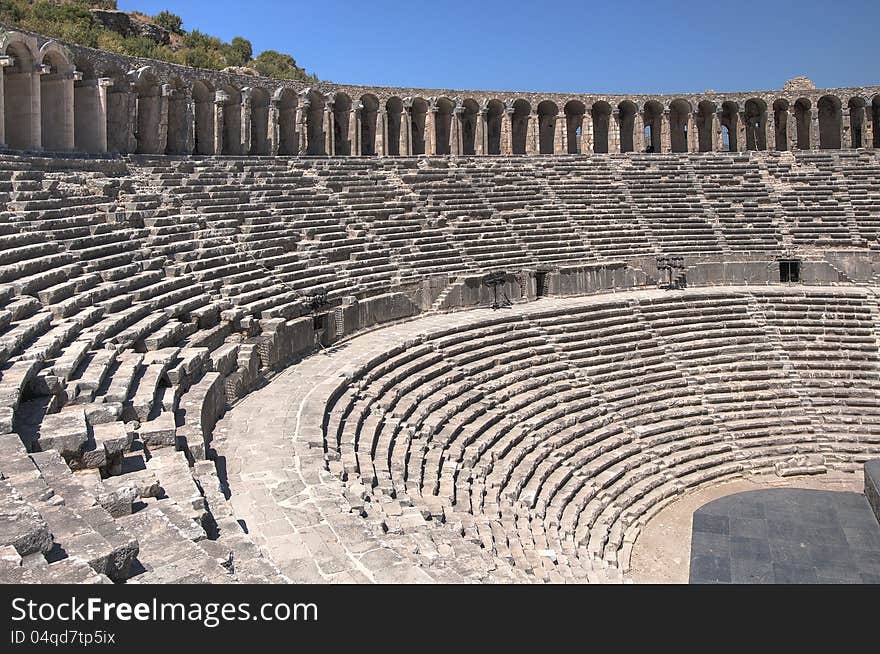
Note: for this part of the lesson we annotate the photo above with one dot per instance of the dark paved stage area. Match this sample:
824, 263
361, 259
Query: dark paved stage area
786, 536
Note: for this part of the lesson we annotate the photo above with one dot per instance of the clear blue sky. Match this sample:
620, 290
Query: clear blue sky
672, 46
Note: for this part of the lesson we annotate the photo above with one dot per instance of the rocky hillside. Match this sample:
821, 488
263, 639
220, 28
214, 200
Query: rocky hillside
100, 24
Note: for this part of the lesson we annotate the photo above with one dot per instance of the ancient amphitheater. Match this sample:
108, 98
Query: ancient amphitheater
247, 329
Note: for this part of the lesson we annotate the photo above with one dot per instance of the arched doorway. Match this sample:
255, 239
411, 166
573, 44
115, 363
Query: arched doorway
547, 116
469, 117
519, 126
56, 99
626, 111
21, 101
149, 112
369, 112
679, 117
177, 119
494, 113
830, 119
287, 137
393, 117
755, 124
203, 114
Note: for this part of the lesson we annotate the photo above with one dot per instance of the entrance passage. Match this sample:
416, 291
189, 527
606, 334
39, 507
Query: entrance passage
789, 271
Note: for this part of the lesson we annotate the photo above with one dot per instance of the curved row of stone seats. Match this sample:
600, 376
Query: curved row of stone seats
861, 174
812, 196
737, 194
663, 191
383, 208
90, 383
593, 198
570, 428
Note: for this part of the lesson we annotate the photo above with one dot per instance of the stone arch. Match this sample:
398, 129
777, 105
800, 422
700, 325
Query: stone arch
653, 126
574, 111
780, 121
149, 111
341, 109
547, 117
519, 126
259, 121
443, 125
875, 120
679, 117
203, 117
469, 117
286, 102
230, 102
730, 126
755, 116
706, 125
393, 115
368, 108
89, 107
21, 97
857, 109
627, 111
178, 127
56, 98
494, 121
601, 115
314, 105
418, 113
830, 121
803, 118
120, 109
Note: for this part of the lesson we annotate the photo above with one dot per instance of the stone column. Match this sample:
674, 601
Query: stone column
329, 124
560, 134
587, 133
845, 127
405, 134
741, 140
815, 140
791, 130
867, 125
104, 83
693, 135
507, 131
189, 121
481, 144
220, 99
717, 131
302, 127
381, 132
533, 142
167, 92
665, 132
247, 96
354, 146
456, 142
638, 132
770, 128
614, 131
5, 61
431, 129
274, 127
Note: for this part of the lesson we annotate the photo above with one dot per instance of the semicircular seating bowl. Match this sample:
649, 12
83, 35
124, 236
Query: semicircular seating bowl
557, 434
140, 297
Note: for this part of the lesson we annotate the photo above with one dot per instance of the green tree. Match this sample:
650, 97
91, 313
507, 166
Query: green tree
239, 52
272, 63
171, 22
